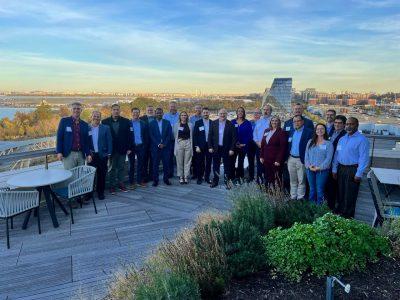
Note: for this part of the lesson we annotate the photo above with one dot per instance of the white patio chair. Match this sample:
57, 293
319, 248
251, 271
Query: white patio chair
383, 209
80, 184
13, 203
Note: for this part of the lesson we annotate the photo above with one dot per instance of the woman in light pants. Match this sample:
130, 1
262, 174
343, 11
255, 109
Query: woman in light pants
183, 147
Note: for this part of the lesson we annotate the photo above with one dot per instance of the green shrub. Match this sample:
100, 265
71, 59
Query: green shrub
304, 212
198, 253
391, 229
164, 284
252, 216
331, 245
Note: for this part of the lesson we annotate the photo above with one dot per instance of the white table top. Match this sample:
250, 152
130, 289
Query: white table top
38, 178
387, 176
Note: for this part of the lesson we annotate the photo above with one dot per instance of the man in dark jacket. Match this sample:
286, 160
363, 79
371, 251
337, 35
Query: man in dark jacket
73, 143
221, 143
200, 145
140, 140
122, 136
147, 174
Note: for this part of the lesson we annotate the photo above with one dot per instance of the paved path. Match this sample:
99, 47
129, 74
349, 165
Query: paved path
76, 261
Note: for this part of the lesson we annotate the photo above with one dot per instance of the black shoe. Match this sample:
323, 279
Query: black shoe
101, 197
155, 183
199, 181
213, 185
208, 181
194, 177
167, 182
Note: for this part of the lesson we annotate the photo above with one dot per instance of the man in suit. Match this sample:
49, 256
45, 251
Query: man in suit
160, 132
173, 117
122, 136
221, 143
140, 139
147, 161
253, 147
298, 110
330, 118
332, 185
73, 143
101, 149
298, 140
200, 144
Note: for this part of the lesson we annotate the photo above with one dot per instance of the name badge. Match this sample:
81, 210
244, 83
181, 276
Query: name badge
90, 133
201, 128
131, 128
339, 147
287, 128
265, 134
236, 125
290, 140
180, 128
322, 147
68, 129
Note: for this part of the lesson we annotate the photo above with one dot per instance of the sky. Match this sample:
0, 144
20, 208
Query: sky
209, 46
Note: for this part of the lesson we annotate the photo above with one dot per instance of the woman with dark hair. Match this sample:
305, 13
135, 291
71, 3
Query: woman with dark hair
183, 146
244, 133
273, 150
317, 161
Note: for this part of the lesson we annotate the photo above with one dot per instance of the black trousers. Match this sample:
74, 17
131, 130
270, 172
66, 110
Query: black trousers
251, 155
101, 171
331, 191
163, 156
347, 191
203, 164
147, 174
238, 172
226, 159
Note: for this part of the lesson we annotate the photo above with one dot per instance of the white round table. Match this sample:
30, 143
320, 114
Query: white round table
41, 179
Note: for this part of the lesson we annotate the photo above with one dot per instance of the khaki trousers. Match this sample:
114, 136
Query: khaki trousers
297, 174
184, 158
74, 159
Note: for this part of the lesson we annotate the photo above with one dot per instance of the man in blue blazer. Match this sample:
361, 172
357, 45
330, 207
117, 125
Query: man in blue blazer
298, 110
73, 143
101, 150
200, 145
298, 140
160, 132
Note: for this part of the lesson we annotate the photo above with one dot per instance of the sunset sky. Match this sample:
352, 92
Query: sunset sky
212, 46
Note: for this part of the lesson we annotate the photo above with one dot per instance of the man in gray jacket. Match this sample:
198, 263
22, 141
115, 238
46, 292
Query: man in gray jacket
101, 149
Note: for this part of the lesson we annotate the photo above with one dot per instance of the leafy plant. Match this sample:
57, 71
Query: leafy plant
331, 245
391, 229
303, 211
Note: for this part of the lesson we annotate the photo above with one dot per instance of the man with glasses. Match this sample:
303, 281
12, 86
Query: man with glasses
221, 144
73, 140
350, 161
298, 140
332, 185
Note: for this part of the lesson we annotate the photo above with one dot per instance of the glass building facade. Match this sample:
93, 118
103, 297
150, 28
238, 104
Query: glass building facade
280, 94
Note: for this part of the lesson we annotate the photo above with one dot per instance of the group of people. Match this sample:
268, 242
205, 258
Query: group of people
331, 156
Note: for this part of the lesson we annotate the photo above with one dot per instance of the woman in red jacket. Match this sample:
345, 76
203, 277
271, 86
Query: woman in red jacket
273, 151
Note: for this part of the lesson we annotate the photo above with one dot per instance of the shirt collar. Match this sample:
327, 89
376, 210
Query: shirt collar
300, 129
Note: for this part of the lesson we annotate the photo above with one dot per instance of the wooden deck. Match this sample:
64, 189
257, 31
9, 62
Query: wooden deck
77, 261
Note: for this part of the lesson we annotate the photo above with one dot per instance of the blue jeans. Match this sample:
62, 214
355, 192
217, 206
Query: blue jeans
317, 181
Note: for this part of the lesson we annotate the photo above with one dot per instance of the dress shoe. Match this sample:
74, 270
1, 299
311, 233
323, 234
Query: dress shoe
122, 188
213, 185
208, 181
155, 183
199, 181
167, 182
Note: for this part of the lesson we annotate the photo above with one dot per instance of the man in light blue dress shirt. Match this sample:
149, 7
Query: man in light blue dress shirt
258, 133
350, 161
173, 117
197, 114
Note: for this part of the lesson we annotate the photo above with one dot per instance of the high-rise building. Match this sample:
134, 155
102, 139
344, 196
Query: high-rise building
280, 94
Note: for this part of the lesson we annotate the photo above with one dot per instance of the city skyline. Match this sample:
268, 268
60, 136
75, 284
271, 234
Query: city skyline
210, 46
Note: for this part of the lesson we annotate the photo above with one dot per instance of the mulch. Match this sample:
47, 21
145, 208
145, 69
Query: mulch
380, 280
